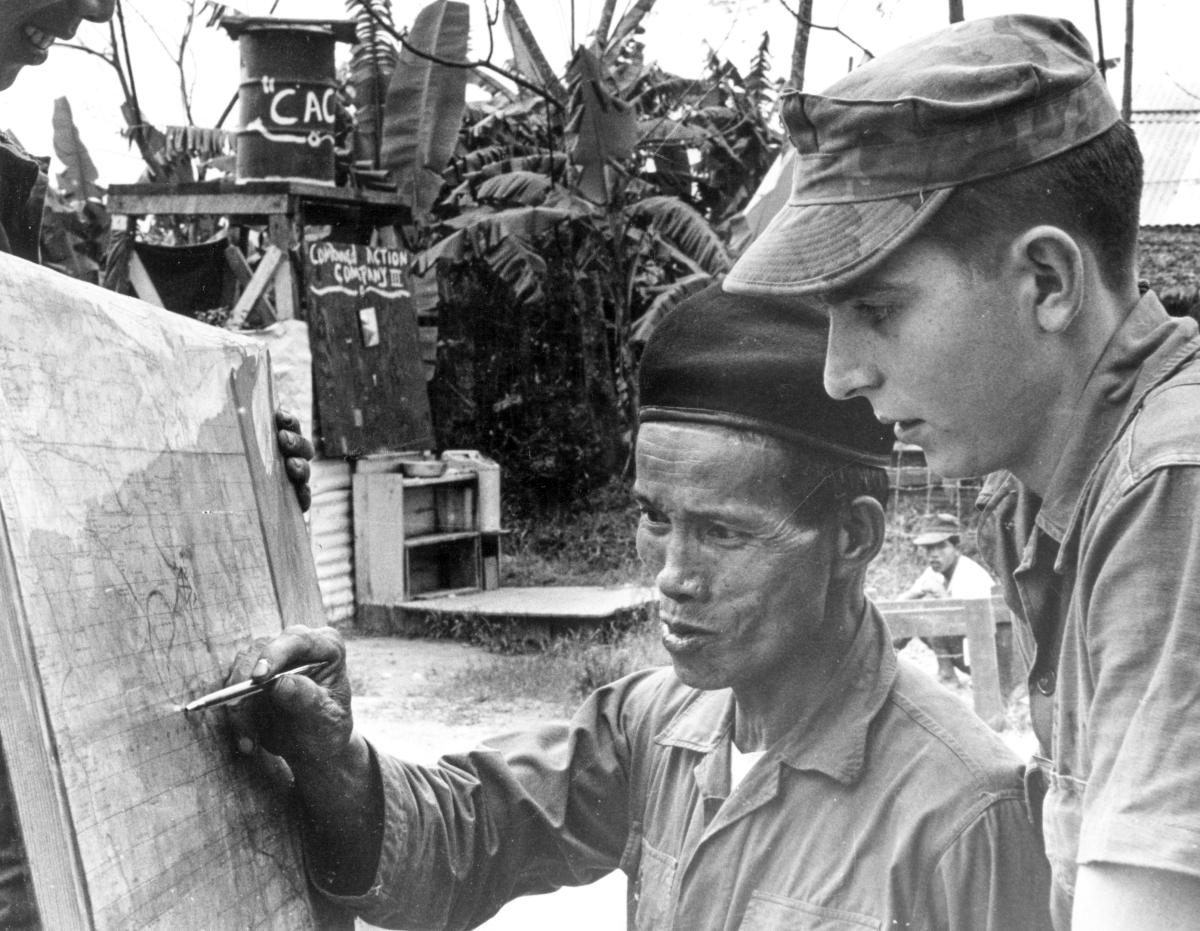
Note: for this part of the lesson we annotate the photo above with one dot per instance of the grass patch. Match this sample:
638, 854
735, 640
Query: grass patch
572, 667
589, 544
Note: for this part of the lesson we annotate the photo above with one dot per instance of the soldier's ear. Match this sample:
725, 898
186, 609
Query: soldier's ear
1052, 277
860, 535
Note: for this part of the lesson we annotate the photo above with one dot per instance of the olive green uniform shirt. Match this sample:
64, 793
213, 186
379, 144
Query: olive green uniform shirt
1104, 573
888, 806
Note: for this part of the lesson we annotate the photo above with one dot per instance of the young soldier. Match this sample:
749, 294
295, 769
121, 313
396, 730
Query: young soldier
966, 211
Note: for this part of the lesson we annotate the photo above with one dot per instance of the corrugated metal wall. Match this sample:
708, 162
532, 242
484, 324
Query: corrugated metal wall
331, 530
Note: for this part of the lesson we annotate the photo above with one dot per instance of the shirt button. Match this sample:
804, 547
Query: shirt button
1046, 682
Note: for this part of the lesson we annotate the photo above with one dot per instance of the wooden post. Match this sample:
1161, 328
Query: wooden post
241, 271
1127, 90
266, 271
970, 617
143, 286
280, 234
985, 673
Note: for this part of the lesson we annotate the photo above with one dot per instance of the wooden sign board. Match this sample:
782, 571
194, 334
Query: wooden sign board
367, 374
147, 535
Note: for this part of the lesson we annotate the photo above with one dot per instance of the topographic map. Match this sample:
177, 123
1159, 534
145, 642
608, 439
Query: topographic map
146, 539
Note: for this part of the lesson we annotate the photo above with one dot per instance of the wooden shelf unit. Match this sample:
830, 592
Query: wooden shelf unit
419, 537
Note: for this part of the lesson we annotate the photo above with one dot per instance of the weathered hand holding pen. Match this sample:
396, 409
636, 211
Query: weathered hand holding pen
242, 689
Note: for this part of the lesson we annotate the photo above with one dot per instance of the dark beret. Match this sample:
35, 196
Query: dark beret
754, 363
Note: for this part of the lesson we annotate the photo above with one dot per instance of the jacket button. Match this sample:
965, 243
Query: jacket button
1046, 682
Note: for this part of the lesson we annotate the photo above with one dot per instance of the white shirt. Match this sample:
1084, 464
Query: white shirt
969, 580
741, 763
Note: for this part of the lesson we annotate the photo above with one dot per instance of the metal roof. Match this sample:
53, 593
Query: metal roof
1166, 118
1170, 143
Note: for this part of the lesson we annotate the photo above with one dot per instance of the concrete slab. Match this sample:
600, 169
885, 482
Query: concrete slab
510, 617
567, 601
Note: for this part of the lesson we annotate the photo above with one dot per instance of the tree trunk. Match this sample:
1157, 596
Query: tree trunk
1127, 93
956, 11
800, 44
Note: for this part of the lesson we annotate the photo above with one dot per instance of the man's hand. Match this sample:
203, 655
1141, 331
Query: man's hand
306, 720
296, 450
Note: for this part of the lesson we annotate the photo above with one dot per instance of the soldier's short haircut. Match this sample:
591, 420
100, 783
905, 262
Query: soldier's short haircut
1092, 192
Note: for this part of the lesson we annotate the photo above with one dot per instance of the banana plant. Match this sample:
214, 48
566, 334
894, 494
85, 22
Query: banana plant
373, 60
566, 224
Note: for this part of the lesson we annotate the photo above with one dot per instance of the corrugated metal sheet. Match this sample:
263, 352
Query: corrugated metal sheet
331, 531
1154, 91
1170, 143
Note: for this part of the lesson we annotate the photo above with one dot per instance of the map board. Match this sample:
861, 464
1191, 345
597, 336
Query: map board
148, 533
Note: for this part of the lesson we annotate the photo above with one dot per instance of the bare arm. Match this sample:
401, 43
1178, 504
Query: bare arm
1110, 897
307, 722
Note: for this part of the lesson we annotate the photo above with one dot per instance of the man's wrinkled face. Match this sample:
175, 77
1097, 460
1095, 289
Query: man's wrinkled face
941, 556
742, 585
940, 350
28, 28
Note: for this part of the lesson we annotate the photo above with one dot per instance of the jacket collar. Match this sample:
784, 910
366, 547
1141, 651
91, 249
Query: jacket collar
1145, 345
831, 738
1146, 348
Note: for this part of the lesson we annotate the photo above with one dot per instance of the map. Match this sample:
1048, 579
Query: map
148, 536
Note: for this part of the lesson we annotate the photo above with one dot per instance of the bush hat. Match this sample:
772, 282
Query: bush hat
754, 363
937, 528
884, 146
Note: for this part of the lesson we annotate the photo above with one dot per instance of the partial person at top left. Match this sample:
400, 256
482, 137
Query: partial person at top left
28, 30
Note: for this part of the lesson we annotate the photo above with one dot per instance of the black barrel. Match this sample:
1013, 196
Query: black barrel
287, 100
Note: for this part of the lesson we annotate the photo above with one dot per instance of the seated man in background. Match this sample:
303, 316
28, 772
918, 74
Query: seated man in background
949, 574
785, 771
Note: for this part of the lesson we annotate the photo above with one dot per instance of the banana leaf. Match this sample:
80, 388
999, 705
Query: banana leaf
665, 301
425, 104
659, 130
685, 230
600, 37
528, 188
602, 128
531, 61
505, 239
488, 83
626, 27
78, 179
372, 63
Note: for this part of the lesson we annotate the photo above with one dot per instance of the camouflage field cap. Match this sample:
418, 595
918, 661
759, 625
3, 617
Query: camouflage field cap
754, 363
882, 148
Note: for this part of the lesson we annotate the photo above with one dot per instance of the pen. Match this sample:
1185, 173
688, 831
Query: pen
242, 689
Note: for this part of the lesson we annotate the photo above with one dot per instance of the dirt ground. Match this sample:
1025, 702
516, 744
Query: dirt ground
392, 707
392, 679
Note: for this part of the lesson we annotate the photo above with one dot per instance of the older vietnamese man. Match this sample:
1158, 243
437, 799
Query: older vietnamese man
785, 771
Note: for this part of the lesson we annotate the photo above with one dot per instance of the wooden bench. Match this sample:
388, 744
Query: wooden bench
975, 618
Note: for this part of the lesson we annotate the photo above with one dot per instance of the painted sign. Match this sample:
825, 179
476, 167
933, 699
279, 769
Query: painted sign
367, 375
